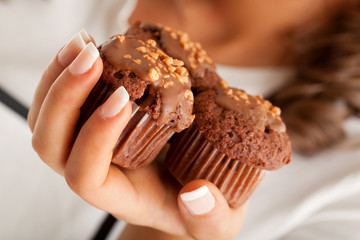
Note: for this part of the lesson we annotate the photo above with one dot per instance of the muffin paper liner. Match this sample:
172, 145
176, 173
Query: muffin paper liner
192, 157
140, 141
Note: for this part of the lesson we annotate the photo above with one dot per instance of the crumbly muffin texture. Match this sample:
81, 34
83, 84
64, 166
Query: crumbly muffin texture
244, 127
178, 45
158, 83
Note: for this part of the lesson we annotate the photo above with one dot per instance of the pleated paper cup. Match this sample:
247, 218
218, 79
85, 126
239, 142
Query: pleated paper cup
192, 157
141, 140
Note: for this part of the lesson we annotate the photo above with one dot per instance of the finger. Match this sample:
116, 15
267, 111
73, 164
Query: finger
206, 213
65, 56
89, 171
54, 131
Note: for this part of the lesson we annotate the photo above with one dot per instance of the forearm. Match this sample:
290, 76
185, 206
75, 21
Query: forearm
133, 232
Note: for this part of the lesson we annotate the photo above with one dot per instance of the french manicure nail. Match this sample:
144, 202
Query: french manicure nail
199, 201
85, 60
71, 50
115, 103
85, 36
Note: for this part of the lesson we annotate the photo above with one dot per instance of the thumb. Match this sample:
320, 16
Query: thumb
206, 213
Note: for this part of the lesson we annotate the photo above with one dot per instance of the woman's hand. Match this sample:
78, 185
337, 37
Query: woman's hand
145, 196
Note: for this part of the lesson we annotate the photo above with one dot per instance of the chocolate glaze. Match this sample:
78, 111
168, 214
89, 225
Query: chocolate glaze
254, 108
225, 122
178, 45
166, 78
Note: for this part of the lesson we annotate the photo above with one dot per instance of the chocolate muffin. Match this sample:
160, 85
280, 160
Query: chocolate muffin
160, 92
234, 140
177, 44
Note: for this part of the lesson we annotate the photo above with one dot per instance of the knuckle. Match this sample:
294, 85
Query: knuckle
64, 97
79, 184
74, 182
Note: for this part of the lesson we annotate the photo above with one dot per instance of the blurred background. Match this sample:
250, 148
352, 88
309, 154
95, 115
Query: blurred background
316, 197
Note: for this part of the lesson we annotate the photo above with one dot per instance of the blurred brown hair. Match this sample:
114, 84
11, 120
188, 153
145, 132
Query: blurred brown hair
326, 87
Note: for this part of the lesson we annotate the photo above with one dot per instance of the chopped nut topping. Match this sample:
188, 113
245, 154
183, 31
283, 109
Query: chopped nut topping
120, 38
147, 57
168, 84
177, 62
201, 59
154, 55
183, 36
184, 80
166, 28
181, 70
189, 95
171, 69
276, 110
137, 61
267, 104
173, 35
168, 60
177, 76
229, 92
244, 96
157, 68
184, 44
127, 56
235, 97
161, 66
224, 84
151, 42
141, 41
208, 59
153, 74
167, 76
142, 49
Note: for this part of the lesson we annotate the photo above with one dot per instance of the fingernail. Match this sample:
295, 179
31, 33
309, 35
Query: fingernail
115, 103
85, 36
199, 201
84, 61
71, 50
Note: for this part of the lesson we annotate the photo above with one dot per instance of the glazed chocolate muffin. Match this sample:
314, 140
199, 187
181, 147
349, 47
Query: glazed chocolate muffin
177, 44
160, 92
234, 140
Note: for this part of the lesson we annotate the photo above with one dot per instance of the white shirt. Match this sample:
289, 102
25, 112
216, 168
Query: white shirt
312, 198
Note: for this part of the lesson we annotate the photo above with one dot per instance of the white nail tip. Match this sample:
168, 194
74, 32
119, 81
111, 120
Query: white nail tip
79, 41
66, 55
196, 194
85, 36
199, 201
121, 91
93, 50
115, 103
84, 60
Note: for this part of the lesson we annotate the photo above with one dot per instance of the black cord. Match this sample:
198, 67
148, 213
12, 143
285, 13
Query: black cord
22, 110
105, 228
13, 104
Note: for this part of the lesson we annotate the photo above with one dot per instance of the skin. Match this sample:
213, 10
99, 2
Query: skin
86, 163
237, 32
233, 33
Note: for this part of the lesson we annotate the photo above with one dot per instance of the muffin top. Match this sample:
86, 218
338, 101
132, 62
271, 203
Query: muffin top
158, 83
178, 45
244, 127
